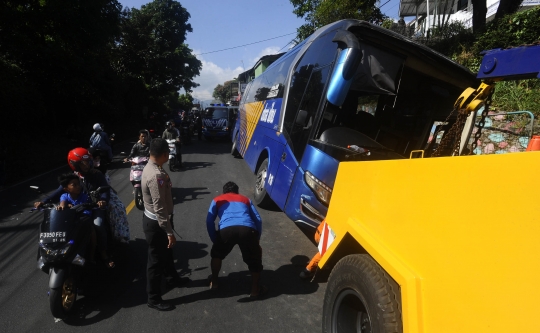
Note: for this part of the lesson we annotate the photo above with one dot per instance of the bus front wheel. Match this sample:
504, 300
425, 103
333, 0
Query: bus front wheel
361, 297
261, 197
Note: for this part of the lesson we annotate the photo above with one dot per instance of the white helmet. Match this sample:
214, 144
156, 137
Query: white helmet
97, 127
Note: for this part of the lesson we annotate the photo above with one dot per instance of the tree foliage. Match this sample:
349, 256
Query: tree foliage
223, 92
152, 48
319, 13
65, 65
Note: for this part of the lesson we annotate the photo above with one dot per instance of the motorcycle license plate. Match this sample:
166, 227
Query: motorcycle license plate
52, 237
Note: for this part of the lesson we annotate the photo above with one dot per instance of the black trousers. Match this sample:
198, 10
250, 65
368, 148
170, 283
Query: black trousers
160, 259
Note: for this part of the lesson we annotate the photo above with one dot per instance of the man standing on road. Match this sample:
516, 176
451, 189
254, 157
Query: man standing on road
239, 223
158, 226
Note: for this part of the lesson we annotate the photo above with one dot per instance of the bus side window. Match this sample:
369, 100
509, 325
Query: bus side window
304, 122
321, 52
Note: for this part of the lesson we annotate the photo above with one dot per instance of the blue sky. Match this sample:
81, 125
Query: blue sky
222, 24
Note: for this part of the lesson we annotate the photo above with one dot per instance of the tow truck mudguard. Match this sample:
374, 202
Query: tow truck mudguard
57, 276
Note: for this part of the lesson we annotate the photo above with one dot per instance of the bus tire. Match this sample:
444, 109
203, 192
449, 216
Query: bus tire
361, 297
234, 151
260, 196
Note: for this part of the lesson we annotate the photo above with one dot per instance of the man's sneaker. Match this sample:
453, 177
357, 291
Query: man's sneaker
305, 274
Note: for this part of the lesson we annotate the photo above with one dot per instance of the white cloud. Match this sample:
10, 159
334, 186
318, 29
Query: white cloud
211, 76
266, 51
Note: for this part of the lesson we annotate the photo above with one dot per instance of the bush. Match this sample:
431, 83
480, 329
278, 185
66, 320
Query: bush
521, 95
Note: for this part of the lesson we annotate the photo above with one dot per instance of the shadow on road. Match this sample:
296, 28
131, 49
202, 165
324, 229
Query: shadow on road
134, 290
188, 194
282, 281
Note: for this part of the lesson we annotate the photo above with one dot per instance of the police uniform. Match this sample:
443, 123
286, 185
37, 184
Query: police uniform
158, 207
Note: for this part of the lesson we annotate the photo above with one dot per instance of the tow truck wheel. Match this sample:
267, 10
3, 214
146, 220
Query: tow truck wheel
361, 297
261, 197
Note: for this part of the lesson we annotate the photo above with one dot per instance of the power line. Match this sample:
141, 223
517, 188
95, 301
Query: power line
235, 47
384, 4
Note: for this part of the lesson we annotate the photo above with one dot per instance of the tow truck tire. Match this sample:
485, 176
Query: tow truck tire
260, 196
361, 297
234, 151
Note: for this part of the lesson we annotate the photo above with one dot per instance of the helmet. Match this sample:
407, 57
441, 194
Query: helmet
168, 123
77, 156
97, 127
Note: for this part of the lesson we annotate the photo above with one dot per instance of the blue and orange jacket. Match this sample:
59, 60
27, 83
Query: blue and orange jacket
233, 210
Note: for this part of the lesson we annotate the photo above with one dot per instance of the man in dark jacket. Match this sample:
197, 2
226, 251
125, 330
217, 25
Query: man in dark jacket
141, 148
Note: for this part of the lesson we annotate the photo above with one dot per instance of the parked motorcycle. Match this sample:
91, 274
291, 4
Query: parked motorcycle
135, 175
174, 158
63, 246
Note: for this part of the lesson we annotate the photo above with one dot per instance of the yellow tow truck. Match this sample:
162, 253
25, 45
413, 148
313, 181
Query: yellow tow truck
448, 243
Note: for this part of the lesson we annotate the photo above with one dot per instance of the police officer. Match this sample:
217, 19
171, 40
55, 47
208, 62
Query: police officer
158, 227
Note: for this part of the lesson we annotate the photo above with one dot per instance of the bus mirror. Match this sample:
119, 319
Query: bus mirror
301, 118
343, 75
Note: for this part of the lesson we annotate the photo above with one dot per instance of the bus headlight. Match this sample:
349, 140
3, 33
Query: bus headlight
321, 190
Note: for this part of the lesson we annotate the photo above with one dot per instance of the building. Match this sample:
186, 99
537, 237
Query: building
451, 10
260, 66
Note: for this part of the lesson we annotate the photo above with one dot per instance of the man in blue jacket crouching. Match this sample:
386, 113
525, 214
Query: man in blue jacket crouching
239, 223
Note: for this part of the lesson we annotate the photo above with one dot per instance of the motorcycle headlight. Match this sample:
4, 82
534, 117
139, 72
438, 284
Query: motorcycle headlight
225, 128
52, 254
321, 190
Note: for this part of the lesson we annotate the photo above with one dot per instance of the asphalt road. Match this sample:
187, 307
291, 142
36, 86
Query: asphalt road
117, 302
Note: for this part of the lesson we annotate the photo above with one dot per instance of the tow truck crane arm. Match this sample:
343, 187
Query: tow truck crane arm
516, 63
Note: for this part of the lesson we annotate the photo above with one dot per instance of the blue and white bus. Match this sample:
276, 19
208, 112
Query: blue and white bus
352, 91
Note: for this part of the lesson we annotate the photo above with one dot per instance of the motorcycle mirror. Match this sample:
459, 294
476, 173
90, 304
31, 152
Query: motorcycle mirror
36, 188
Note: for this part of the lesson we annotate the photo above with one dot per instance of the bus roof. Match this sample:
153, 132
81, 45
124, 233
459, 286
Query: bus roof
381, 37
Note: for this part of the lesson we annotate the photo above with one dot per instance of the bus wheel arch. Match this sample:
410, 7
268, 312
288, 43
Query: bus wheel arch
361, 295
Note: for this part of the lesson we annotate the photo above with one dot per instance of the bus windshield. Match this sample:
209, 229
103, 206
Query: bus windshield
214, 113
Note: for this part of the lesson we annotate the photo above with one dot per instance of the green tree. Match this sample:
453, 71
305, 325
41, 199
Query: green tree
318, 13
223, 92
152, 48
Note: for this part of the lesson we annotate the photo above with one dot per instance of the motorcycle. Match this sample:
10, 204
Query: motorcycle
62, 250
186, 130
101, 160
174, 158
135, 175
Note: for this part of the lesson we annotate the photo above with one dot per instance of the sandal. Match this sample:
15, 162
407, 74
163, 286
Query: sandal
210, 283
262, 291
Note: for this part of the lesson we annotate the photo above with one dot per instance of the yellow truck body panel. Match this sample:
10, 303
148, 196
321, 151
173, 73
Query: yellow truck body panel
460, 235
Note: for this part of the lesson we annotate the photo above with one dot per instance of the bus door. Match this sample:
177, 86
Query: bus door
300, 130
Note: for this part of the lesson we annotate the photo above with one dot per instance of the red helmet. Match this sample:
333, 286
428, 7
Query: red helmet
77, 156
